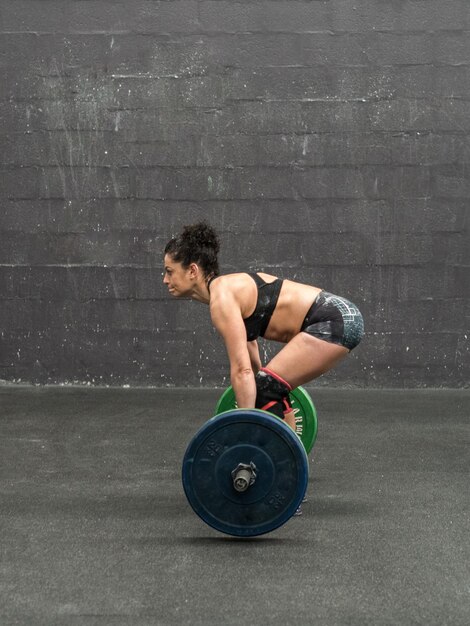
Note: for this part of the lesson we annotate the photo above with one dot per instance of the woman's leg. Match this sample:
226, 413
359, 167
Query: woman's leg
305, 358
301, 360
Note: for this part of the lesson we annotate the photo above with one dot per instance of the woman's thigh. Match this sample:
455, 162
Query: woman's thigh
305, 358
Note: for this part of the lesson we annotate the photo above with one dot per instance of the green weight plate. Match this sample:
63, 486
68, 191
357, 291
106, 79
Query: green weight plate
305, 414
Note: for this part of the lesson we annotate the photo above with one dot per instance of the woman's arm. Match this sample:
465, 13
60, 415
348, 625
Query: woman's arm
227, 319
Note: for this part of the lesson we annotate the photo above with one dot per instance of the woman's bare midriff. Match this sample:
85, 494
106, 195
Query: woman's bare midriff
295, 299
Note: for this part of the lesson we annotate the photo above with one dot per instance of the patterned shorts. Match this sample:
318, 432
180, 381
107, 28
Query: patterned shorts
334, 319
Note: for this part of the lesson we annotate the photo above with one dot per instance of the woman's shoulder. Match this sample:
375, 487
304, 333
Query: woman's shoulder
228, 289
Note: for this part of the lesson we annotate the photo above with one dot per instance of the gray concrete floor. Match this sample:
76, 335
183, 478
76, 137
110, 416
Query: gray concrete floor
95, 528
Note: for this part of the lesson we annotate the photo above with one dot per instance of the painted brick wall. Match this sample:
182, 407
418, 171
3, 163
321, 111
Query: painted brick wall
327, 140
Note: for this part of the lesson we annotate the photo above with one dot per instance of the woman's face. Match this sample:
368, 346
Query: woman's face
178, 279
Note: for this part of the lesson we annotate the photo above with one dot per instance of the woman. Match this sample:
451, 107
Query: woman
317, 328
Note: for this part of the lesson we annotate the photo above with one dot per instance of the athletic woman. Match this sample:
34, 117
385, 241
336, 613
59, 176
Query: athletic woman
318, 328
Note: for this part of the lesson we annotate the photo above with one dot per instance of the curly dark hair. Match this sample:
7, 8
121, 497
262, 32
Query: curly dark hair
198, 243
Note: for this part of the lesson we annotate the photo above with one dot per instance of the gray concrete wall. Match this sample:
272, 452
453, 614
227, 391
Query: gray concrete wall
327, 140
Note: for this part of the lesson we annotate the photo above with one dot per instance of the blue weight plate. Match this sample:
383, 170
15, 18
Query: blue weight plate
245, 436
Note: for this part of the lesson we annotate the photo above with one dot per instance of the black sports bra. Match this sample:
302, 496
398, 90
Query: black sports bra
268, 294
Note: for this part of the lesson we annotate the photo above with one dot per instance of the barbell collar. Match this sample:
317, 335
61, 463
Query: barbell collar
244, 476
